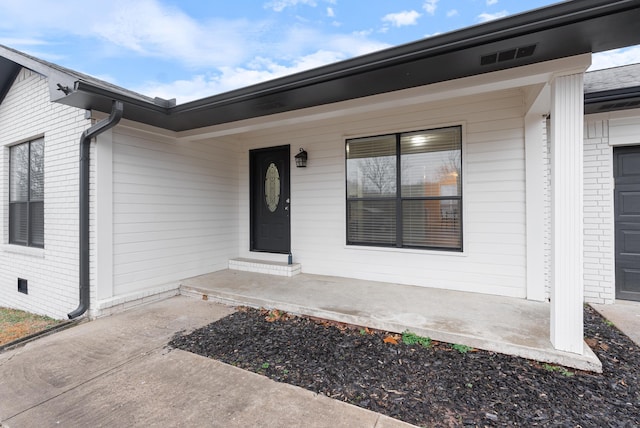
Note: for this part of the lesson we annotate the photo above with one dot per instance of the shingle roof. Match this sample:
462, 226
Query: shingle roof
626, 76
612, 89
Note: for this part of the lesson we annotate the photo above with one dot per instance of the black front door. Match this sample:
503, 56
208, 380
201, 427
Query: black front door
626, 170
270, 221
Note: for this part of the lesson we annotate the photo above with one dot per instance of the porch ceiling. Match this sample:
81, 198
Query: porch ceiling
558, 31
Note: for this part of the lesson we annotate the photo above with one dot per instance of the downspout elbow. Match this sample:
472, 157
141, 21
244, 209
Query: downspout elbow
117, 110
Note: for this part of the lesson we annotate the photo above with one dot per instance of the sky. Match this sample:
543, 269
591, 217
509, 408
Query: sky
192, 49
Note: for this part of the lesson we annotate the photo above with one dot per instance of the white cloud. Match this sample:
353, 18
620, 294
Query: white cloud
17, 41
484, 17
330, 12
452, 12
219, 54
146, 27
491, 2
353, 45
403, 18
363, 33
228, 78
615, 58
280, 5
430, 6
334, 48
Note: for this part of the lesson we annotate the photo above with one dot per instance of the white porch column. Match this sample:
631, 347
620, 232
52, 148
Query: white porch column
567, 118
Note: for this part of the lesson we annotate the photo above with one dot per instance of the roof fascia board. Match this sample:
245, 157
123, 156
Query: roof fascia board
510, 27
612, 100
612, 95
90, 88
394, 69
525, 76
139, 126
54, 76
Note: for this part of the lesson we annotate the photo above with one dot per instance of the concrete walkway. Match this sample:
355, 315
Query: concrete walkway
117, 372
625, 315
501, 324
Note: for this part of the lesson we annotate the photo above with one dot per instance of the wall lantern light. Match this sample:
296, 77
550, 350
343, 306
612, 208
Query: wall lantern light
301, 158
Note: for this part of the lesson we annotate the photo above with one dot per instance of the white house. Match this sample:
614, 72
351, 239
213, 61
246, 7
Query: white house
463, 161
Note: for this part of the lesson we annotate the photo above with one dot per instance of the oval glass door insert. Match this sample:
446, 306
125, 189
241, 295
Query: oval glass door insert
272, 187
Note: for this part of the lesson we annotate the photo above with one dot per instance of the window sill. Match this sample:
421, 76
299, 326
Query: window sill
407, 251
25, 251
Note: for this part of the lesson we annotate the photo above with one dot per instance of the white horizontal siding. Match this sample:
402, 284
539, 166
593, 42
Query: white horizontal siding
174, 209
494, 200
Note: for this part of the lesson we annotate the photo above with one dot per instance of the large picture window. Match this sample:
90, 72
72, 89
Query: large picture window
405, 189
26, 194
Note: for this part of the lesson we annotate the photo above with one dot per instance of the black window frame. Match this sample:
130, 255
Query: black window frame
29, 202
399, 199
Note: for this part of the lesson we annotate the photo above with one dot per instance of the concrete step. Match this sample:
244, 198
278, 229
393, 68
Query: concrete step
266, 267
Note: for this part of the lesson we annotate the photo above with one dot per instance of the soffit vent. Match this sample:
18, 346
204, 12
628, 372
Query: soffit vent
507, 55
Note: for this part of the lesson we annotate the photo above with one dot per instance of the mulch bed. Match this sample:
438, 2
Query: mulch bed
441, 385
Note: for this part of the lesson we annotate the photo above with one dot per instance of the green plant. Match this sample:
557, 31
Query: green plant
609, 323
562, 370
409, 338
363, 332
265, 365
463, 349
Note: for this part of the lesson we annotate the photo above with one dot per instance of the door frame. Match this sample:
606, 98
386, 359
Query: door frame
252, 189
616, 152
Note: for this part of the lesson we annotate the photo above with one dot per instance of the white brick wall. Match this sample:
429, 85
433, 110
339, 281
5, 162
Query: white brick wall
599, 260
52, 272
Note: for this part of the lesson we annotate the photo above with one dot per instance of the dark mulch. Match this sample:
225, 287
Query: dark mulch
435, 386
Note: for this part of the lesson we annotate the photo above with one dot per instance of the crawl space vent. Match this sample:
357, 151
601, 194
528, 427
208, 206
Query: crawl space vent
22, 286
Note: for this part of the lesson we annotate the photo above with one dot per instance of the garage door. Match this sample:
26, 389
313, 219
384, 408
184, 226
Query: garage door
627, 218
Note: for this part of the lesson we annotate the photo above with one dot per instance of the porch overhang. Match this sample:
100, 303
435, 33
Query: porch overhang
583, 26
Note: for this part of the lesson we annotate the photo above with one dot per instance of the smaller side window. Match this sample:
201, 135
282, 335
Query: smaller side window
26, 194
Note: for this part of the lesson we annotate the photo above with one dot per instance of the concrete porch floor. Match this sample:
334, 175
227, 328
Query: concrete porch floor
501, 324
